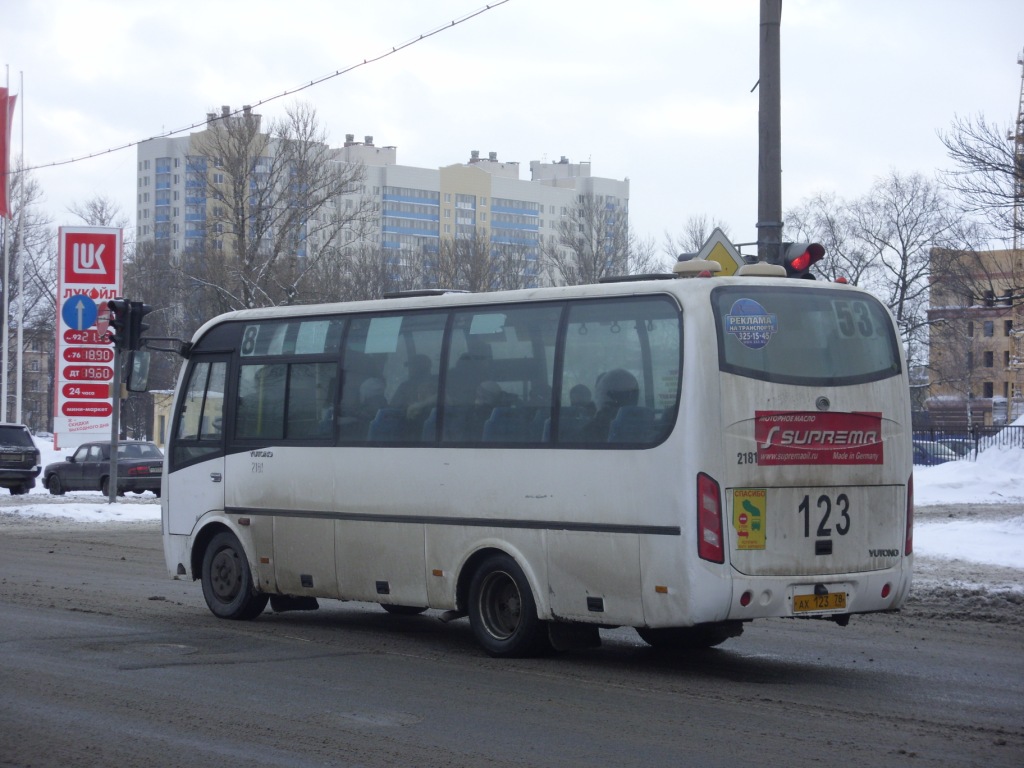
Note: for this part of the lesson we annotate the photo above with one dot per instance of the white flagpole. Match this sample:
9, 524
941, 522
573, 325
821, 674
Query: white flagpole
7, 284
19, 245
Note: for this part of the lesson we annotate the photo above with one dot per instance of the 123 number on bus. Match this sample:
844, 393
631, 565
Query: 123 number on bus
829, 513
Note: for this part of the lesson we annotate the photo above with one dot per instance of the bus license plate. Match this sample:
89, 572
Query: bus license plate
832, 601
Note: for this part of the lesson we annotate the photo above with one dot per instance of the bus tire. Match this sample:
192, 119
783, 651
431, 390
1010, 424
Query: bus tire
503, 612
227, 581
402, 610
690, 638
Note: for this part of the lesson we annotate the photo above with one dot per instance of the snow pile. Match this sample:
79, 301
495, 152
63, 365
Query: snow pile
997, 542
997, 477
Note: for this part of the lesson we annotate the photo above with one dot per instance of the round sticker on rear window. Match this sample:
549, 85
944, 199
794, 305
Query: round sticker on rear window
751, 324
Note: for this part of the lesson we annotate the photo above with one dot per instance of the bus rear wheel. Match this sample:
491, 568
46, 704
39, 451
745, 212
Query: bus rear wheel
503, 612
227, 580
690, 638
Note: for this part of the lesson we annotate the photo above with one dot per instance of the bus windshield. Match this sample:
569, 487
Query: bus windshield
809, 337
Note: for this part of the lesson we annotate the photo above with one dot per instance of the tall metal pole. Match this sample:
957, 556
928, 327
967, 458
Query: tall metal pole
115, 425
4, 355
769, 159
19, 245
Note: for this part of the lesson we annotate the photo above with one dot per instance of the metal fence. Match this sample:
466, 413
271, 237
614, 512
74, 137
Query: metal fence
929, 443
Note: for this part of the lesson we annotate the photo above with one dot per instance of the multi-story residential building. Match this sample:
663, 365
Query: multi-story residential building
413, 209
976, 350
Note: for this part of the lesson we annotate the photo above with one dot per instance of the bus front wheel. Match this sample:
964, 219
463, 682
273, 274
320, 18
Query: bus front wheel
227, 580
502, 610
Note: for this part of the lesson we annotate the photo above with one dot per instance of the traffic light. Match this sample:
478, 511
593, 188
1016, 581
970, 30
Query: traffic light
136, 326
797, 258
119, 328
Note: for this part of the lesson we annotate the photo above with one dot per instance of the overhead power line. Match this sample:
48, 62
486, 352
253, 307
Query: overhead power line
337, 73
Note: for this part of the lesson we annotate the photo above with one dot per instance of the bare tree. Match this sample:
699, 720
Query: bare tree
593, 242
513, 266
273, 200
691, 239
32, 245
899, 222
100, 211
361, 272
989, 175
827, 219
954, 360
30, 290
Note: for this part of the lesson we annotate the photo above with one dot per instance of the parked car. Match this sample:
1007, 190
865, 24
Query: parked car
139, 468
960, 446
19, 459
928, 453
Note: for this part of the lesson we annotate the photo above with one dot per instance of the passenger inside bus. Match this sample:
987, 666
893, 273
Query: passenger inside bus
417, 385
371, 397
418, 393
615, 389
582, 401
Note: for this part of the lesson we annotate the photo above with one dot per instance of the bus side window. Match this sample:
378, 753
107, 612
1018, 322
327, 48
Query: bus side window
259, 411
390, 377
627, 353
311, 400
499, 384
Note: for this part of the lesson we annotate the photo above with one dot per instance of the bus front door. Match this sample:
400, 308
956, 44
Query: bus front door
196, 478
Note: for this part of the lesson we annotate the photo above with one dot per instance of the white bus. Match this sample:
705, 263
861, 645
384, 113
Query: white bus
676, 455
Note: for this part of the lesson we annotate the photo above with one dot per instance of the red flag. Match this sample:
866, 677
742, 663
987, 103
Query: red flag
6, 121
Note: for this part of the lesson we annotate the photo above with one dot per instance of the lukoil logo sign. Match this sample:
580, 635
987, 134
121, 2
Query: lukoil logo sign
90, 257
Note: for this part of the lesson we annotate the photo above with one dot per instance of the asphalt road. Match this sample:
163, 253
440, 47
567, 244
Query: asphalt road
106, 661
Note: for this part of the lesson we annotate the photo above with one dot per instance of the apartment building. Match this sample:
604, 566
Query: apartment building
413, 208
976, 357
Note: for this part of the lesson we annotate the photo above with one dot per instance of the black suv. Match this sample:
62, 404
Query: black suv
139, 467
19, 459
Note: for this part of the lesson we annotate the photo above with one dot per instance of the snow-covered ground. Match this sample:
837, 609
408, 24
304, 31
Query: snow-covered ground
992, 534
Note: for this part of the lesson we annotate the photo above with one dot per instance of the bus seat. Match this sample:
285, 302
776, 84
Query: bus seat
458, 424
505, 425
388, 426
428, 433
571, 420
632, 424
539, 427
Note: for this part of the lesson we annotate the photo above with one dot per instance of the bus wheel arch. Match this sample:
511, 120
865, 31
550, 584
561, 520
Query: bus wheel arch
502, 607
228, 585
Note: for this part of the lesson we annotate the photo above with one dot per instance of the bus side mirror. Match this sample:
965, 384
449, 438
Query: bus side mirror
138, 371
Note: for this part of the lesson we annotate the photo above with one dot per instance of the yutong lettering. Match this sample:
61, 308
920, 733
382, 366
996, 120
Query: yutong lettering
884, 552
779, 436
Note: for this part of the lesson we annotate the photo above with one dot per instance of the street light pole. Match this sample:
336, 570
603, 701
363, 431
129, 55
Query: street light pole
769, 160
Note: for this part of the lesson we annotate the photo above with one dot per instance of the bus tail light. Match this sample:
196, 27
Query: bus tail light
908, 549
710, 544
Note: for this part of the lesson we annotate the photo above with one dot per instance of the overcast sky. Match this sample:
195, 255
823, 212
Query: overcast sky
656, 91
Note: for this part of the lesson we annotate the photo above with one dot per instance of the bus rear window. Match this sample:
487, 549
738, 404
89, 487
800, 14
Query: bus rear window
809, 337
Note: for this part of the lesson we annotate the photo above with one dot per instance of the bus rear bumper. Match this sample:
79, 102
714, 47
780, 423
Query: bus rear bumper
820, 595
